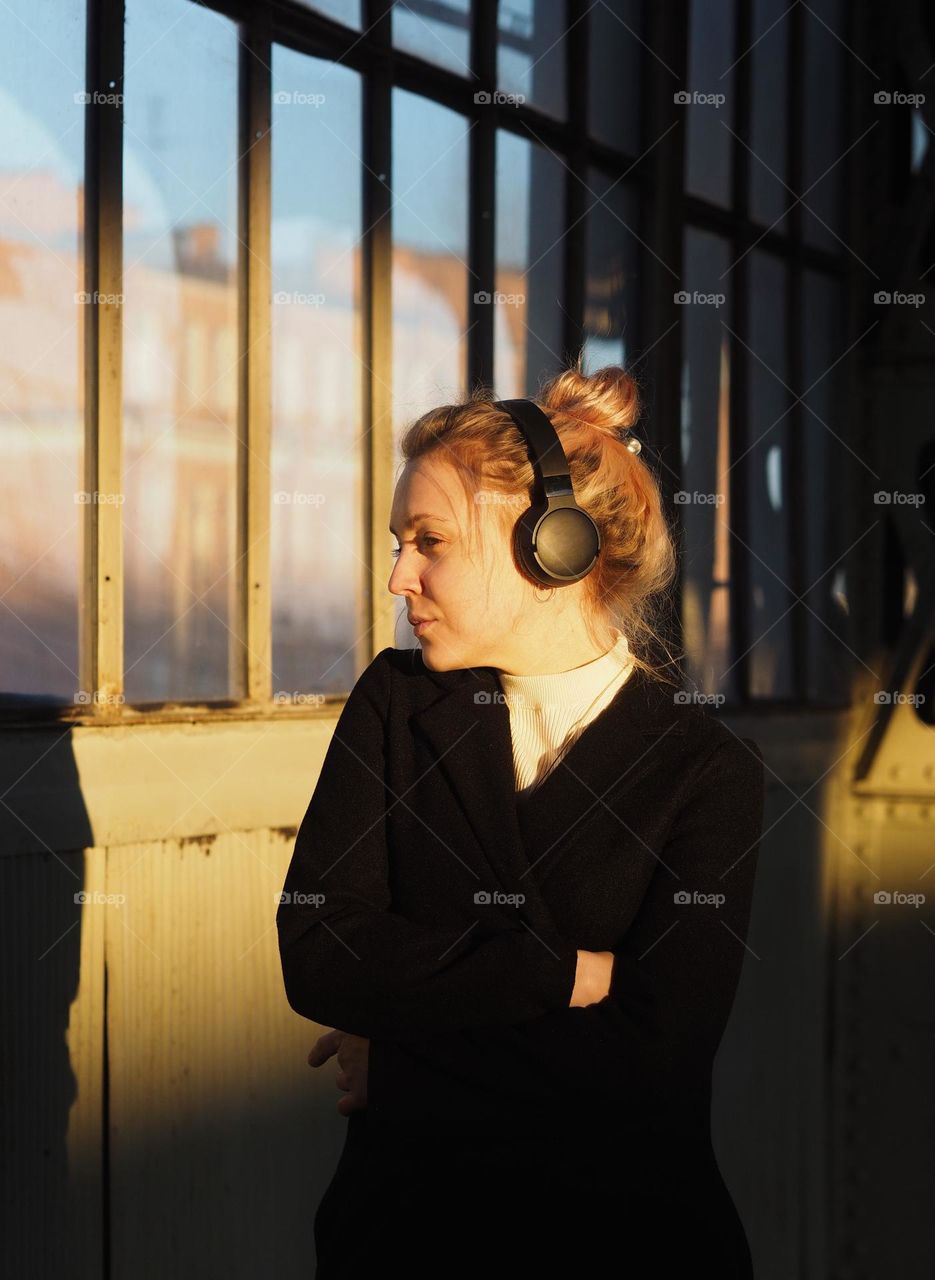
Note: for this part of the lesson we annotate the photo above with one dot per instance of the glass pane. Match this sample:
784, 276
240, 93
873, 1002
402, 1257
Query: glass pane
830, 663
769, 199
180, 349
430, 230
765, 470
346, 11
703, 501
42, 316
437, 30
710, 77
531, 52
919, 142
615, 73
318, 557
430, 278
822, 177
528, 316
612, 286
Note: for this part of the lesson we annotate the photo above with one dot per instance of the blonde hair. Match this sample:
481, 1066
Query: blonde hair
591, 414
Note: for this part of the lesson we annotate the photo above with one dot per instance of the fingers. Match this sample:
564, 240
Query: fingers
324, 1048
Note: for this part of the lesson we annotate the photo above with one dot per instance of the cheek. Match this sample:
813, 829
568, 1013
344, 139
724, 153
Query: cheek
460, 592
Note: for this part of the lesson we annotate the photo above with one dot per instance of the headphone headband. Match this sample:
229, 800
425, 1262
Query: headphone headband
549, 461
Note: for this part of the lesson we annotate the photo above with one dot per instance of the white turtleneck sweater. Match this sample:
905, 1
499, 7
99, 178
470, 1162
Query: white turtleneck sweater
544, 709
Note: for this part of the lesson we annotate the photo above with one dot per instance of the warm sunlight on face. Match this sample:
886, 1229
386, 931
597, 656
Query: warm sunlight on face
483, 611
442, 576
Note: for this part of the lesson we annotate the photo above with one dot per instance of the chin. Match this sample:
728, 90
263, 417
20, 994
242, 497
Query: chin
432, 662
439, 659
444, 658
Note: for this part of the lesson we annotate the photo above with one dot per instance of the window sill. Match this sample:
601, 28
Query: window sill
103, 716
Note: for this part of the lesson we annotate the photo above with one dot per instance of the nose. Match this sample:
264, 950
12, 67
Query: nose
403, 580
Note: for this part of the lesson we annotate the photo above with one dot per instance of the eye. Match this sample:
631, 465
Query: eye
395, 551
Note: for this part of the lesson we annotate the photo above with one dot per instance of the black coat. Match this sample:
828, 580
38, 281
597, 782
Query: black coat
445, 929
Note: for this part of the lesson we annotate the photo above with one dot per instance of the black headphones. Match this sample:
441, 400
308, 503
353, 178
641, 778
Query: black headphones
555, 540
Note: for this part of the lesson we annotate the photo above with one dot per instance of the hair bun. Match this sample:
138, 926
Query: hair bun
607, 399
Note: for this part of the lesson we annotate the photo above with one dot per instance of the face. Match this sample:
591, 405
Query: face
469, 588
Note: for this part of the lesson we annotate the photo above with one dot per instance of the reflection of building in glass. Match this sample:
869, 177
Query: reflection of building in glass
180, 399
41, 432
180, 391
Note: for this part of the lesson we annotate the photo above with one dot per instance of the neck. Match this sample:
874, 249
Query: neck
556, 653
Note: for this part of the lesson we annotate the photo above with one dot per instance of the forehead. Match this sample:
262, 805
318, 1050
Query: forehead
426, 489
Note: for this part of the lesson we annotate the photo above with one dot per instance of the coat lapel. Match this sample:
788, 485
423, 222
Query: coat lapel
468, 730
638, 733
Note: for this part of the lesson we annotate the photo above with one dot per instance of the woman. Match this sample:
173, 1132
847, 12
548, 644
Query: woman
521, 888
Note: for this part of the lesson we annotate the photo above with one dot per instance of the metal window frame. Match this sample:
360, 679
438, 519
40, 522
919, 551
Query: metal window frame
656, 176
101, 602
738, 227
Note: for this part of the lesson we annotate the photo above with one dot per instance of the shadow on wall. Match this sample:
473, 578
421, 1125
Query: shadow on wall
185, 1134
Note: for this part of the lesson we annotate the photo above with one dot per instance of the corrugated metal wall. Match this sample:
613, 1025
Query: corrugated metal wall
159, 1115
156, 1092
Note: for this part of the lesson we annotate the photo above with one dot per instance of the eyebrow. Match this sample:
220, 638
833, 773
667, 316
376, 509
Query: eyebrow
422, 515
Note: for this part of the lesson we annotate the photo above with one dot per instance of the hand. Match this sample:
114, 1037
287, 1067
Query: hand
592, 978
353, 1059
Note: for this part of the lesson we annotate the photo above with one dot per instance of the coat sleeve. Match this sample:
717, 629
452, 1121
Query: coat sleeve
644, 1053
348, 960
676, 972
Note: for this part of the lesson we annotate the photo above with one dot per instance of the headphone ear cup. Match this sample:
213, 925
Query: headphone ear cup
522, 544
567, 544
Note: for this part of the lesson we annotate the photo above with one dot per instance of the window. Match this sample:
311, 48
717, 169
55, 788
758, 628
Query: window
437, 30
764, 330
527, 301
290, 230
44, 307
318, 456
180, 300
531, 53
430, 251
766, 469
711, 74
703, 501
612, 257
